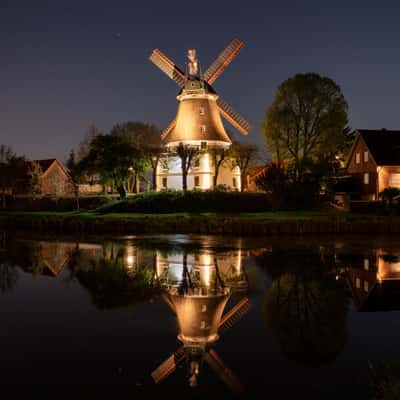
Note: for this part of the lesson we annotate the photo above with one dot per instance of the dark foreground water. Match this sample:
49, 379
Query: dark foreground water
196, 316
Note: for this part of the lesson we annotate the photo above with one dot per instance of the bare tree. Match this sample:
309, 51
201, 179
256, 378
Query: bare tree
219, 156
187, 155
244, 155
35, 179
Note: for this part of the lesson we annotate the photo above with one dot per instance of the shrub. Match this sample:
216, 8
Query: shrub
171, 201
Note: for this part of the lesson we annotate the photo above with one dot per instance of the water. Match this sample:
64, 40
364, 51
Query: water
100, 317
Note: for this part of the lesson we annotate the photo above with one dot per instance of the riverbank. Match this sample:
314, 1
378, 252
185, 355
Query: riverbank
269, 223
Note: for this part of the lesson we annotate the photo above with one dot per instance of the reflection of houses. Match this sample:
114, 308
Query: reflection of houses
375, 282
197, 295
374, 162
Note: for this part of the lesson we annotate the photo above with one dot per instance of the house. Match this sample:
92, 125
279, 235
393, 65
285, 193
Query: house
252, 176
53, 179
374, 162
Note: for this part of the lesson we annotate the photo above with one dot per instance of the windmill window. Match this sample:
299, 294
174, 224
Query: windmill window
366, 178
201, 111
196, 181
234, 183
203, 325
203, 145
164, 183
365, 156
202, 128
358, 158
203, 308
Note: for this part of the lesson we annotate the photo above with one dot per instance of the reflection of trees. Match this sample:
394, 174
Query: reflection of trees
111, 285
8, 277
305, 307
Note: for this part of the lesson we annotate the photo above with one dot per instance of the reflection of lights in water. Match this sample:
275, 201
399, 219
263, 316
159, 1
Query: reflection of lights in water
130, 257
239, 263
205, 269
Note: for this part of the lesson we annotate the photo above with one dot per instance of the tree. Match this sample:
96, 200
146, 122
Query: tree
307, 119
11, 167
76, 175
389, 194
244, 155
147, 139
187, 155
219, 156
112, 156
35, 179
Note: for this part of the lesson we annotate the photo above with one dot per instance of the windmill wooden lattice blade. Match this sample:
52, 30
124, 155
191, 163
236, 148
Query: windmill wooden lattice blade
224, 373
168, 129
167, 66
168, 366
234, 315
223, 60
235, 119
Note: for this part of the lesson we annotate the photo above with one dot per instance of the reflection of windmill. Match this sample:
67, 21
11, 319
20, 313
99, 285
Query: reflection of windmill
199, 311
198, 121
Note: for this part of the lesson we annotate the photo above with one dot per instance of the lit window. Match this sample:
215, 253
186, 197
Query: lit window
358, 283
204, 308
358, 158
365, 156
196, 181
366, 178
366, 286
201, 111
202, 128
203, 325
164, 183
203, 145
366, 264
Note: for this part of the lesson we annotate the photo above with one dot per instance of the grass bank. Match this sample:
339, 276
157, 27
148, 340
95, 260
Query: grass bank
263, 223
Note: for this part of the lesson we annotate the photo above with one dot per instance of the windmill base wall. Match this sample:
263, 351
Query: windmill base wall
200, 177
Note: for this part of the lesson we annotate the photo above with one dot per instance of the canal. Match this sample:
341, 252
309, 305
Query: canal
197, 316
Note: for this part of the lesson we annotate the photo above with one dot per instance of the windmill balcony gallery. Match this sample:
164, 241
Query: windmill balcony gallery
197, 130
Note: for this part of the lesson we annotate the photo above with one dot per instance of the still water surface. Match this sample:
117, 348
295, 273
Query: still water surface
194, 316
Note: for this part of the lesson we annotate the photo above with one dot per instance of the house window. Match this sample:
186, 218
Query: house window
366, 178
394, 180
203, 145
234, 183
203, 129
196, 181
164, 183
201, 111
366, 286
358, 158
366, 264
365, 156
358, 283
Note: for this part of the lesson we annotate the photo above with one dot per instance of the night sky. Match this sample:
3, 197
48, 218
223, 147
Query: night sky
68, 64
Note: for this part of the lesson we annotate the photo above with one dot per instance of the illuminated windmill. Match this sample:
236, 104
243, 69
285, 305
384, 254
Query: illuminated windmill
199, 311
198, 120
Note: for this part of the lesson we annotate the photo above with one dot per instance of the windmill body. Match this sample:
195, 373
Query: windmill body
198, 123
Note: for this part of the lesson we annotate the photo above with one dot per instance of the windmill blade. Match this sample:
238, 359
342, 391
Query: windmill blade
224, 373
223, 60
168, 366
234, 315
167, 66
235, 119
168, 129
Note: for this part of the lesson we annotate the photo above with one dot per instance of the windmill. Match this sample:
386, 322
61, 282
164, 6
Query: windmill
199, 311
198, 120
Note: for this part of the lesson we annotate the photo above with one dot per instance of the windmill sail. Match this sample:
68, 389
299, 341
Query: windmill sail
223, 60
168, 129
224, 373
235, 119
234, 315
167, 66
168, 366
